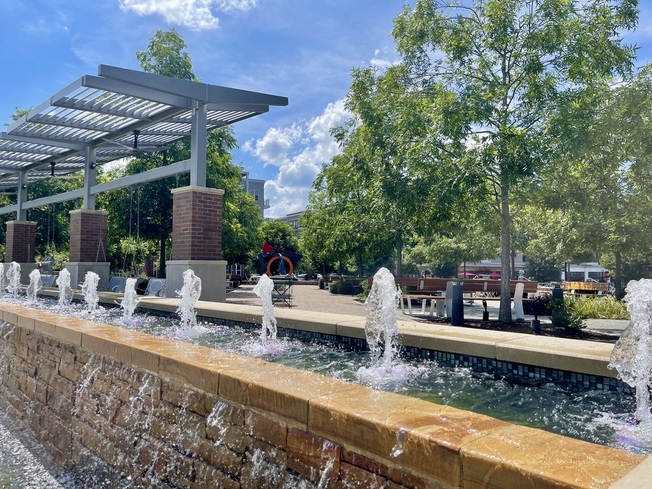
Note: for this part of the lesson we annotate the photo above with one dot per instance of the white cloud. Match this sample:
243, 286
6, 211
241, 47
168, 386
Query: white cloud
381, 61
194, 14
273, 147
299, 152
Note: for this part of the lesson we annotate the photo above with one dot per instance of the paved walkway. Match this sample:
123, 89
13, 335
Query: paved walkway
308, 297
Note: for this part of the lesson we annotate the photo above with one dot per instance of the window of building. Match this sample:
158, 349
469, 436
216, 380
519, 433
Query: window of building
576, 276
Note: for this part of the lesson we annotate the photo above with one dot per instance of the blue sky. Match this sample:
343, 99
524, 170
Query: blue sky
301, 49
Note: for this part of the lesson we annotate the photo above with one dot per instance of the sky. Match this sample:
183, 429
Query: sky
301, 49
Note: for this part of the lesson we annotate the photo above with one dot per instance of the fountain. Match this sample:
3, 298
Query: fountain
264, 289
65, 292
2, 278
380, 326
13, 278
381, 332
632, 354
35, 284
129, 302
398, 441
189, 294
89, 291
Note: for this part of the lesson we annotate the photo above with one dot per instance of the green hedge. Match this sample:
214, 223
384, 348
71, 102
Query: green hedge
346, 286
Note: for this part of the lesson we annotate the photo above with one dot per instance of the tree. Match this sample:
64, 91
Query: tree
604, 182
381, 190
280, 235
166, 55
497, 70
341, 224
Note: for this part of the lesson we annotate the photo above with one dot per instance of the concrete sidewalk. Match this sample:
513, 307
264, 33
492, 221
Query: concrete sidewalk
308, 297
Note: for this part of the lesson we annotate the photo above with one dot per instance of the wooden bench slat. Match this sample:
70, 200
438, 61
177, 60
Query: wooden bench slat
429, 285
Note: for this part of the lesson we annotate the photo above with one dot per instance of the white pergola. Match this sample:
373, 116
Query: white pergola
116, 114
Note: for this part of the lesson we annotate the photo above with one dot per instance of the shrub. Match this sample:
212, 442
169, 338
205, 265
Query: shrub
345, 287
598, 308
563, 316
539, 306
365, 289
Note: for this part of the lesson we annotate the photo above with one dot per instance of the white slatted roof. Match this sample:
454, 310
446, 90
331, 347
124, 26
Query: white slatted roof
118, 112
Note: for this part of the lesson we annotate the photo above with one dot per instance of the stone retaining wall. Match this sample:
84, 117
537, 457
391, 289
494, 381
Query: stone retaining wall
166, 413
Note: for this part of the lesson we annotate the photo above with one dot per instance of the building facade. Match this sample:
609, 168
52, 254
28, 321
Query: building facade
293, 220
256, 188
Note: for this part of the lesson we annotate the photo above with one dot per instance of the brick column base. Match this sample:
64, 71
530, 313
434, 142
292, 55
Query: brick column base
88, 229
197, 223
21, 242
211, 272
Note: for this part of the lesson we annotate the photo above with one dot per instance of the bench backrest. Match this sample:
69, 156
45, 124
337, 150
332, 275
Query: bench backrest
469, 285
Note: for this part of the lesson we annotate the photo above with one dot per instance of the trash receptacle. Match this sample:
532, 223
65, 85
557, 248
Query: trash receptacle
457, 313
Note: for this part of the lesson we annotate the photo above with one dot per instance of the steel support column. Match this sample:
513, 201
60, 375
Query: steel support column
90, 177
198, 147
21, 198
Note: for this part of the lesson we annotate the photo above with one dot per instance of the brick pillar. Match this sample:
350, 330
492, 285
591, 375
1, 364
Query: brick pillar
21, 241
197, 223
88, 229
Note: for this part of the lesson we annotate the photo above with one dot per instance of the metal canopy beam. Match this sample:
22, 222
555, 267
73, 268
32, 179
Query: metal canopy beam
131, 180
200, 92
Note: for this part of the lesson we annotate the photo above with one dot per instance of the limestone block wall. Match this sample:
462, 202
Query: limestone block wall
166, 413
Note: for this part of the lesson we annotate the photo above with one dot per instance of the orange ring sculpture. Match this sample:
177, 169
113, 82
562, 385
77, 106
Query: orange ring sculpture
286, 259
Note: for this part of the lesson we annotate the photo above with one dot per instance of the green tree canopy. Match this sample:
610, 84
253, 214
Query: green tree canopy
166, 55
280, 235
497, 71
602, 184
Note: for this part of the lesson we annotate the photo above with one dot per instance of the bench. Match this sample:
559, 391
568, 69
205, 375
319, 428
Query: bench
155, 287
436, 301
444, 295
49, 280
434, 285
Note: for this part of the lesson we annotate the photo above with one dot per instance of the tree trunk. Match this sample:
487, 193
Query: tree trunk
161, 266
620, 293
399, 255
505, 313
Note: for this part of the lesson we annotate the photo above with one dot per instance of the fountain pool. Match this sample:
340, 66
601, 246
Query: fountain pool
133, 386
591, 414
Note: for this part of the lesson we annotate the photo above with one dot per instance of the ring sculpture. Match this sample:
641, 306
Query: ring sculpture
286, 259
